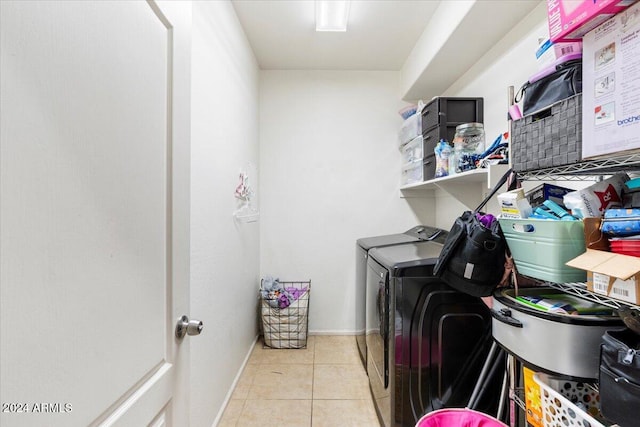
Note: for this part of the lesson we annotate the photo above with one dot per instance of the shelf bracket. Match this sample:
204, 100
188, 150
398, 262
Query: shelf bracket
416, 193
468, 195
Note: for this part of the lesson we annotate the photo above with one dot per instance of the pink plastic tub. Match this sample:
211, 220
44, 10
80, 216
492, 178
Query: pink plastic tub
454, 417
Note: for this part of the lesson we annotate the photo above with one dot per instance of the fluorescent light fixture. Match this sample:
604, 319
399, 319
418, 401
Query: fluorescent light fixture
332, 15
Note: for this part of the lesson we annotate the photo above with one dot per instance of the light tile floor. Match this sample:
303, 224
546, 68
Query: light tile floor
323, 385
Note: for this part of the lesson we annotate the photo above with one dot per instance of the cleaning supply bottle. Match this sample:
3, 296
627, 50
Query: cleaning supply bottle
443, 152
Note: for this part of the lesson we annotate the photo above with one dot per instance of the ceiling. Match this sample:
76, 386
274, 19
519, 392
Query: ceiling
380, 34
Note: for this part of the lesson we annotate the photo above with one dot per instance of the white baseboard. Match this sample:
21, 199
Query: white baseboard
329, 332
227, 399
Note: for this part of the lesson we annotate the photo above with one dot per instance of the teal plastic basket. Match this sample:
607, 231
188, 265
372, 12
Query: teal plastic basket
540, 248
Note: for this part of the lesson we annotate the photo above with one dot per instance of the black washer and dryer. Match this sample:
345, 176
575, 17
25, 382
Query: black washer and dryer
426, 342
415, 234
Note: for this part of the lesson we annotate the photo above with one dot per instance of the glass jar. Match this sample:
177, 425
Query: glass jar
469, 138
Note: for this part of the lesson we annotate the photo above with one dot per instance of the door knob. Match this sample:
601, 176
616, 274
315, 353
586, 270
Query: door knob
184, 326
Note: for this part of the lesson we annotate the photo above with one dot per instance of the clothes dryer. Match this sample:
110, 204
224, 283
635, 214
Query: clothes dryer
426, 342
363, 245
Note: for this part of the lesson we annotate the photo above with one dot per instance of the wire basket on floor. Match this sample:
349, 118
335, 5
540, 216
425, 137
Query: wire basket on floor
285, 315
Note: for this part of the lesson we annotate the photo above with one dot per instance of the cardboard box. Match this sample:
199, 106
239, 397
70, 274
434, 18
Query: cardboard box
611, 86
571, 19
614, 275
593, 237
550, 52
545, 191
513, 204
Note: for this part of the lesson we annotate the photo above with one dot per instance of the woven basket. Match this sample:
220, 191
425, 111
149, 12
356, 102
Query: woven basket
548, 138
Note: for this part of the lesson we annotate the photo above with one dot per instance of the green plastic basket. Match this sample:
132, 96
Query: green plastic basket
540, 248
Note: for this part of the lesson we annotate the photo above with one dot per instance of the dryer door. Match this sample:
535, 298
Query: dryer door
449, 338
377, 338
377, 324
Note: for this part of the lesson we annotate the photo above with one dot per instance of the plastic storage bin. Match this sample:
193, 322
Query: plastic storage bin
567, 403
563, 344
412, 151
412, 172
540, 248
287, 327
445, 114
410, 128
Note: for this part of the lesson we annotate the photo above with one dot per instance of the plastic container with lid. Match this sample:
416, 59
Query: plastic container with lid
469, 138
411, 128
412, 172
412, 151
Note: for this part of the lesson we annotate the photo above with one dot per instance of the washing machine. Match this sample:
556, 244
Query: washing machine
415, 234
426, 342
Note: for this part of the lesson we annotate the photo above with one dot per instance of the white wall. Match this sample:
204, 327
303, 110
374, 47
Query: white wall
329, 174
224, 254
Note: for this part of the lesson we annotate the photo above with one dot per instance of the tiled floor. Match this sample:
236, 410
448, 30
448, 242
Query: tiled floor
323, 385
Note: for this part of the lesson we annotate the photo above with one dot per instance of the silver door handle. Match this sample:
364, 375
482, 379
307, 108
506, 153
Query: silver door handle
184, 326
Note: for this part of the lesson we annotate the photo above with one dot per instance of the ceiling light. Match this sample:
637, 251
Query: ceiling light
332, 15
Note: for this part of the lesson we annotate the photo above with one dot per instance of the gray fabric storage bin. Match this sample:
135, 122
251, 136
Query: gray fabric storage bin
548, 138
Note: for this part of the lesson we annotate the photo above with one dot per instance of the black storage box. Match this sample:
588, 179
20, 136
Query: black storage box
440, 117
548, 138
429, 167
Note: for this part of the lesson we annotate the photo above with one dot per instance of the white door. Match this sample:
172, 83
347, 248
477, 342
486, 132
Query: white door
94, 167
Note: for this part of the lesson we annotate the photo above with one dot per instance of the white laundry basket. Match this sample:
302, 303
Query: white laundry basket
558, 410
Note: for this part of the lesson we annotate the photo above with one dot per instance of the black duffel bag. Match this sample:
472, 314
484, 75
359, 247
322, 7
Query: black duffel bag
620, 377
564, 82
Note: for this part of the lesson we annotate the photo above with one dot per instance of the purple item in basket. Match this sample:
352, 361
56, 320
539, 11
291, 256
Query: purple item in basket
487, 220
284, 300
296, 293
288, 296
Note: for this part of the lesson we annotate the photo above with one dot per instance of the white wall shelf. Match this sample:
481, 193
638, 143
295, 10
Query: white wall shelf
468, 187
475, 175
